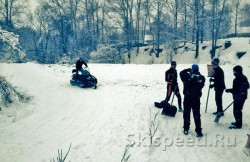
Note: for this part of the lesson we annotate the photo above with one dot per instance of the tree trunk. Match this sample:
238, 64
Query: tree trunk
185, 21
197, 29
158, 30
138, 15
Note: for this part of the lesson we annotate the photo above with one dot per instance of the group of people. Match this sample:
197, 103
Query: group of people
194, 81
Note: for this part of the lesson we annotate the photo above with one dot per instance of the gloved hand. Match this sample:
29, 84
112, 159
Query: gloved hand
175, 83
244, 96
211, 80
211, 86
228, 90
192, 80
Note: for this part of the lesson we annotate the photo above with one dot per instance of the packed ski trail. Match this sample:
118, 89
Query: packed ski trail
101, 122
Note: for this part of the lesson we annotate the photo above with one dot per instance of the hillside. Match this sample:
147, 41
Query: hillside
188, 57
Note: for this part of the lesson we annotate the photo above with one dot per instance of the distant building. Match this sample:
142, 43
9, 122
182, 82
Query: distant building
241, 32
148, 39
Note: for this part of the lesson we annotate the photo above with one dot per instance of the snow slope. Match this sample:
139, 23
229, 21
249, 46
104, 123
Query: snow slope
100, 123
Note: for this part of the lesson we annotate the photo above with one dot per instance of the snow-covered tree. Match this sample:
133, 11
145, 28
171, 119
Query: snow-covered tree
10, 94
10, 49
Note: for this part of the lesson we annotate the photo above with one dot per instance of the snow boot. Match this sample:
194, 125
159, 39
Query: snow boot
199, 134
232, 126
180, 110
221, 113
233, 123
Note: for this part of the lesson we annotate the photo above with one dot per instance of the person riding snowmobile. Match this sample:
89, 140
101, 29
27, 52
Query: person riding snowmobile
79, 64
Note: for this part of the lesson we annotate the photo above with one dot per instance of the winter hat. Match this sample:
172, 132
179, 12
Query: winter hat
215, 61
238, 69
173, 63
195, 67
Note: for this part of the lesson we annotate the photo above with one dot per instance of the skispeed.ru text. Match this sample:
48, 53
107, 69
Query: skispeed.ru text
216, 140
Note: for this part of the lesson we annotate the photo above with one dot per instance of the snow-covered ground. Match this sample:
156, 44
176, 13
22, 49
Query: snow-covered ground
99, 123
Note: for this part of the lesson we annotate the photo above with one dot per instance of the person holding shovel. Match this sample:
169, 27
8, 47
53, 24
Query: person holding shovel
239, 91
172, 84
218, 85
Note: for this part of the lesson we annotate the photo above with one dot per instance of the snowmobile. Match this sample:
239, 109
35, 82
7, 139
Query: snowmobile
83, 80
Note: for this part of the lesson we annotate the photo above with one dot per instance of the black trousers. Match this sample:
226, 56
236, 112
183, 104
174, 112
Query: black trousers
237, 110
173, 88
218, 100
192, 103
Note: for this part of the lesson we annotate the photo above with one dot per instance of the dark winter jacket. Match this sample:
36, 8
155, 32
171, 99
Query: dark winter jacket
219, 81
79, 64
171, 76
193, 83
240, 87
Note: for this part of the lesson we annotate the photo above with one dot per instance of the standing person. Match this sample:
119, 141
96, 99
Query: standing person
172, 84
79, 64
218, 85
193, 83
239, 91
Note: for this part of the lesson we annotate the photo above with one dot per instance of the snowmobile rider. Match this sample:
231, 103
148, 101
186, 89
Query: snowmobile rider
218, 85
239, 91
172, 84
193, 83
79, 64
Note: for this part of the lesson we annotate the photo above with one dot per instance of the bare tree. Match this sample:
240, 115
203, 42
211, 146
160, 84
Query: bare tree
158, 26
58, 22
236, 6
124, 9
137, 26
91, 12
126, 155
12, 12
74, 9
197, 23
196, 7
41, 22
217, 14
60, 157
174, 9
202, 20
184, 19
146, 8
152, 126
58, 11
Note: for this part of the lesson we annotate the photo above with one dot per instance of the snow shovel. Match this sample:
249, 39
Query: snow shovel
208, 96
173, 95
